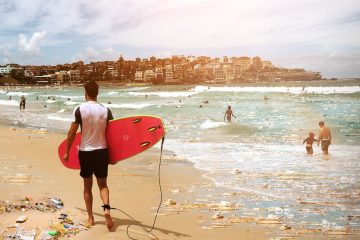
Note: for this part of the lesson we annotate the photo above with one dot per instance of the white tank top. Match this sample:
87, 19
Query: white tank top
93, 118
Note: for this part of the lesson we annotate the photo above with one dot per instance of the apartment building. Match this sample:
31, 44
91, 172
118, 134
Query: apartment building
178, 72
169, 75
267, 64
257, 63
219, 75
245, 63
6, 69
229, 72
74, 75
149, 75
139, 76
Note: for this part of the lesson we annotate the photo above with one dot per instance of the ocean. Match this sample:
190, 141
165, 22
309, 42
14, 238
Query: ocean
260, 152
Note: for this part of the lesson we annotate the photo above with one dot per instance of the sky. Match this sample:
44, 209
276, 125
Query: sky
318, 35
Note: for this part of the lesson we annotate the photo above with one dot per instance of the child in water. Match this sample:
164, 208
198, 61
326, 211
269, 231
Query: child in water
309, 142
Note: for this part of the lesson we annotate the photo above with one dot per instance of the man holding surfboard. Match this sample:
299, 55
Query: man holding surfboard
93, 153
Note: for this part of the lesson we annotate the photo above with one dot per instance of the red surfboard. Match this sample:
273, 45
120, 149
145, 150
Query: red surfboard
126, 137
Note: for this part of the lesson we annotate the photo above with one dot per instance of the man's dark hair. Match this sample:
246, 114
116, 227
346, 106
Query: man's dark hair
321, 123
92, 89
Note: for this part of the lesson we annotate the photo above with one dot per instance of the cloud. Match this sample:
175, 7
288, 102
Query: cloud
149, 27
6, 60
6, 54
92, 54
31, 46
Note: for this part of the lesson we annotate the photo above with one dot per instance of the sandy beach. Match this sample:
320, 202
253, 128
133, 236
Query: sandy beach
31, 169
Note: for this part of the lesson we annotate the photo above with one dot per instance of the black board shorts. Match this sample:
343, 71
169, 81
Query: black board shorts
325, 145
94, 162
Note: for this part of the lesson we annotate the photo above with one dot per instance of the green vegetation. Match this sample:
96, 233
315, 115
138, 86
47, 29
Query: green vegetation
8, 79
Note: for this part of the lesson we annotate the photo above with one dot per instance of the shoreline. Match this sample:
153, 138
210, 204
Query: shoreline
294, 83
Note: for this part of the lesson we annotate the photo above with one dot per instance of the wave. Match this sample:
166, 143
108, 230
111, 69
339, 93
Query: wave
70, 103
58, 118
2, 91
127, 105
50, 101
208, 124
60, 96
18, 94
113, 93
9, 102
136, 88
163, 94
292, 90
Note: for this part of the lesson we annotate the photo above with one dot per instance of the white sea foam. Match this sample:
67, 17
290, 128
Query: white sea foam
58, 118
163, 94
127, 105
9, 102
2, 91
113, 93
68, 96
292, 90
136, 88
70, 103
61, 110
60, 96
50, 101
19, 93
208, 124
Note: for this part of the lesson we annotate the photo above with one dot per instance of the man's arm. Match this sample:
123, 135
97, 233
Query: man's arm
70, 139
329, 136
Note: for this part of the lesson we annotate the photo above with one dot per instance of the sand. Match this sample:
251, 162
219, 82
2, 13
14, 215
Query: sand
30, 168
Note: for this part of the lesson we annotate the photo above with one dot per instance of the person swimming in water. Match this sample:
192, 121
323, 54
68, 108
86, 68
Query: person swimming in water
309, 142
228, 114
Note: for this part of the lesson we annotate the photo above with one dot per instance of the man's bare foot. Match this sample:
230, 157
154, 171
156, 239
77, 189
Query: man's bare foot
91, 221
108, 219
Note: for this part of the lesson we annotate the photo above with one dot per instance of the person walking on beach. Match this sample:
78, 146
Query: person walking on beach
324, 138
228, 114
93, 153
22, 102
309, 142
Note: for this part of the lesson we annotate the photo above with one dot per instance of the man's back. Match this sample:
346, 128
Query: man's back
324, 133
93, 118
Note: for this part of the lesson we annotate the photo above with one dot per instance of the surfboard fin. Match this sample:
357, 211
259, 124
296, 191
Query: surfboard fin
137, 120
144, 144
150, 129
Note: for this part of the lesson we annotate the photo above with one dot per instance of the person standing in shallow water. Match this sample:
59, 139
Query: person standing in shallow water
309, 142
228, 114
324, 138
22, 102
93, 153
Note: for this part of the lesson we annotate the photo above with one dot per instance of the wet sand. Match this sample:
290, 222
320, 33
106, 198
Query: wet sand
30, 168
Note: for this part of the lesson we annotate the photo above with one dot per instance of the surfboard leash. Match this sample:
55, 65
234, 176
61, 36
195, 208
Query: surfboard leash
158, 208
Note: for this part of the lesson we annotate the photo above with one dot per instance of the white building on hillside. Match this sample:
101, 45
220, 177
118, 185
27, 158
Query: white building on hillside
149, 75
6, 69
139, 76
